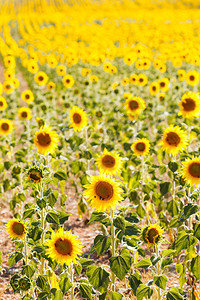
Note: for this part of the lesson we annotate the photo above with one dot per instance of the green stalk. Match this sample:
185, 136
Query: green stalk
158, 273
42, 270
25, 251
113, 288
71, 272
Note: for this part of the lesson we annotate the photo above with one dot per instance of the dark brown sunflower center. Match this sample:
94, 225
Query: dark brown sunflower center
161, 98
162, 84
194, 170
141, 80
108, 161
140, 146
67, 80
189, 104
5, 126
18, 228
63, 246
27, 96
173, 139
152, 234
44, 139
40, 78
77, 118
24, 114
192, 78
8, 86
34, 176
104, 190
133, 104
154, 88
1, 103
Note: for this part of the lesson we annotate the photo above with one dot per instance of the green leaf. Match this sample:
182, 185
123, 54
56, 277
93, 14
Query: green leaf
134, 281
143, 263
64, 283
98, 277
141, 211
52, 199
85, 262
52, 217
196, 229
195, 267
173, 166
101, 243
28, 213
165, 188
58, 295
14, 258
60, 175
143, 291
63, 217
172, 207
133, 197
115, 296
160, 281
173, 294
86, 291
78, 268
184, 241
97, 217
181, 270
119, 223
42, 281
120, 265
189, 210
28, 270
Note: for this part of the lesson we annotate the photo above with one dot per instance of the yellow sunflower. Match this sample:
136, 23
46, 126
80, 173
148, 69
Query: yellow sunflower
8, 87
3, 103
133, 78
27, 96
68, 81
46, 140
174, 140
63, 247
191, 170
61, 70
103, 193
142, 79
6, 126
51, 85
161, 96
41, 78
192, 78
109, 162
135, 105
16, 229
78, 118
181, 74
154, 88
190, 105
164, 84
152, 234
141, 147
24, 113
85, 71
1, 88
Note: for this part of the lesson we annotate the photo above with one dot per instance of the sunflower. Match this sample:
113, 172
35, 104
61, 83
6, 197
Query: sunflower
61, 70
141, 147
94, 78
109, 162
63, 247
103, 192
78, 118
152, 234
127, 95
6, 126
161, 96
192, 78
125, 81
16, 229
16, 83
24, 113
135, 105
46, 140
191, 170
142, 79
115, 85
174, 140
3, 103
9, 61
181, 74
32, 67
27, 96
133, 78
190, 105
164, 84
35, 174
51, 85
8, 86
68, 81
1, 88
41, 78
154, 88
85, 71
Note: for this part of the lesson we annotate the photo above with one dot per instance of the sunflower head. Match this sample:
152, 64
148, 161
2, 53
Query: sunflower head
191, 171
141, 147
152, 234
24, 113
78, 118
46, 140
35, 174
6, 126
135, 105
16, 229
174, 140
190, 105
3, 103
103, 192
63, 247
109, 162
27, 96
68, 81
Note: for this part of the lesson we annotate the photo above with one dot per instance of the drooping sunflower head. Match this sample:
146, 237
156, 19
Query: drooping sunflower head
6, 126
3, 103
35, 174
16, 229
63, 247
190, 105
24, 113
103, 192
191, 170
174, 140
46, 140
141, 147
109, 162
135, 105
152, 234
78, 118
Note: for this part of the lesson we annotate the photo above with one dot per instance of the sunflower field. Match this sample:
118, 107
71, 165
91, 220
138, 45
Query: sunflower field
100, 149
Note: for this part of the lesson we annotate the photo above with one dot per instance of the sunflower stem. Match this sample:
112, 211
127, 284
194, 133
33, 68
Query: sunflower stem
25, 251
43, 231
71, 272
113, 288
158, 273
